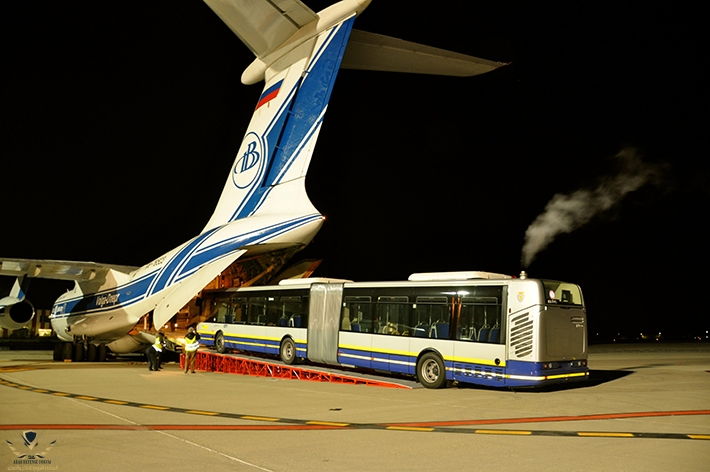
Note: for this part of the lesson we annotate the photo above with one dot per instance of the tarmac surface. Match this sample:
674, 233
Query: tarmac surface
646, 407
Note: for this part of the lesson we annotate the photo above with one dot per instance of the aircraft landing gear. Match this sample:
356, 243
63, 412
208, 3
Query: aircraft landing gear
80, 351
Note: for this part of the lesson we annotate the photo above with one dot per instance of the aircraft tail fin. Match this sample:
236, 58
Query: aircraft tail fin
268, 174
298, 55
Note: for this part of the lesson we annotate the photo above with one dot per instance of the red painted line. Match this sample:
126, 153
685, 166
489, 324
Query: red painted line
548, 419
164, 427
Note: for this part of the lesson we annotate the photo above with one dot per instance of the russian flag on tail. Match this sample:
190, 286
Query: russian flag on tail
269, 94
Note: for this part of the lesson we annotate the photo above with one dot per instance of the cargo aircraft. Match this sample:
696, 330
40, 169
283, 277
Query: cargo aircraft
263, 210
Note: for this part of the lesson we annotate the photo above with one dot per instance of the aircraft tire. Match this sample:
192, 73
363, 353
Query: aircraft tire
78, 352
91, 353
58, 352
219, 343
102, 353
431, 371
67, 349
288, 351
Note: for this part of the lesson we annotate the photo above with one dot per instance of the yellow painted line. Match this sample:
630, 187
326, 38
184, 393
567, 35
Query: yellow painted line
258, 418
116, 402
62, 394
327, 423
40, 390
198, 412
503, 431
82, 397
408, 428
699, 436
606, 435
24, 387
154, 407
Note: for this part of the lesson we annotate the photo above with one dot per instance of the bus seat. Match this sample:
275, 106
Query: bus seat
484, 333
355, 327
473, 334
440, 330
494, 336
283, 321
421, 331
295, 321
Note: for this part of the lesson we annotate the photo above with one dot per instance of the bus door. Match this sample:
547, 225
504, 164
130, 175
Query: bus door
323, 322
479, 349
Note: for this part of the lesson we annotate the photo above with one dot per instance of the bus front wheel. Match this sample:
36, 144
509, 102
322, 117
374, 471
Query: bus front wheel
431, 371
288, 351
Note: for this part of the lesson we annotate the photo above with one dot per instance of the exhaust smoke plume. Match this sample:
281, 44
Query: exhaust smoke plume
565, 213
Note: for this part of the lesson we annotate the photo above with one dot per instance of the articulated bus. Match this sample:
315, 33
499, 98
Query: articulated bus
473, 327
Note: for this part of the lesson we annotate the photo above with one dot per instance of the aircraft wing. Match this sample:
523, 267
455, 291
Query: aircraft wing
370, 51
263, 26
59, 270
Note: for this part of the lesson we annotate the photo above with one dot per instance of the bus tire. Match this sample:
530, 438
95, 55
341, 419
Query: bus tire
219, 343
288, 351
431, 371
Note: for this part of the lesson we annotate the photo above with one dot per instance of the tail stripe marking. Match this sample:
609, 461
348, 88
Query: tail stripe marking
297, 120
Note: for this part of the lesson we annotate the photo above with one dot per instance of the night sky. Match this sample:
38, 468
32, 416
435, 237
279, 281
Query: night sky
122, 120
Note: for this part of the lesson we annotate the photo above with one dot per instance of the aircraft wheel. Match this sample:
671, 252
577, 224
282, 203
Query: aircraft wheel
219, 343
78, 352
431, 371
67, 349
91, 353
58, 352
288, 351
102, 353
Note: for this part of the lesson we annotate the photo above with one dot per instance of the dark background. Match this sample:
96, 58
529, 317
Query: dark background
122, 119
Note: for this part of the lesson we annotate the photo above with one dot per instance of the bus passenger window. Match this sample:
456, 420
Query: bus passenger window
359, 311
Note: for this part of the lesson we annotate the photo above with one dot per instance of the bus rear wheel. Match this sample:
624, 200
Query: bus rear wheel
431, 371
288, 351
219, 343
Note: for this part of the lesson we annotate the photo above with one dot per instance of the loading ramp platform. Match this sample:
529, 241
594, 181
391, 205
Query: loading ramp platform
209, 361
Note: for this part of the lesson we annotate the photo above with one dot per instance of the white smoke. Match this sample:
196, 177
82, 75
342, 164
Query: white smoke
565, 213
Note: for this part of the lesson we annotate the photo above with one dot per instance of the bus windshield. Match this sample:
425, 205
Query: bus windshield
562, 293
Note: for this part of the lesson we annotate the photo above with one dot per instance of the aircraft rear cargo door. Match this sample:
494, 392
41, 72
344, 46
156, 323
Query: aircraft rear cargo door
323, 323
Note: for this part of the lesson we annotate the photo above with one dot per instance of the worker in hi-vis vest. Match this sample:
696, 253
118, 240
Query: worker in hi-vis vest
153, 352
191, 344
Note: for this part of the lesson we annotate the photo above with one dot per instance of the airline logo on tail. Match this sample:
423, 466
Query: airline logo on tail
249, 163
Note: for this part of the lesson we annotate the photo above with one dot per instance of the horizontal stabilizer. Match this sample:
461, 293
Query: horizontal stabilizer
59, 270
263, 26
370, 51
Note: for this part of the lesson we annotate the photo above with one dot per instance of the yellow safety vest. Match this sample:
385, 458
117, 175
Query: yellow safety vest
191, 345
157, 345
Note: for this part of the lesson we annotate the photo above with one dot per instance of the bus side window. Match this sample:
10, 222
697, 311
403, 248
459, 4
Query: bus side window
393, 315
359, 312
